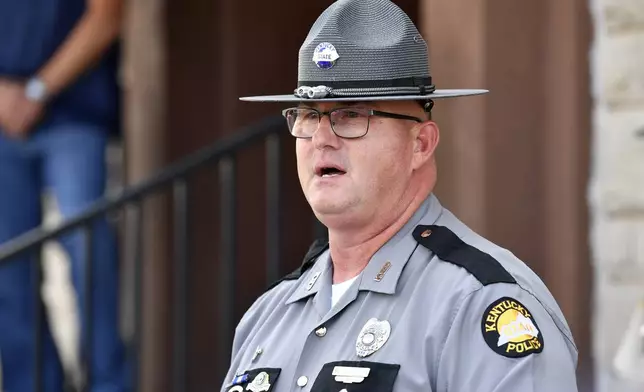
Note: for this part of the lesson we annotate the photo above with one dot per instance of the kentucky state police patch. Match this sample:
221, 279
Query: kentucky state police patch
510, 330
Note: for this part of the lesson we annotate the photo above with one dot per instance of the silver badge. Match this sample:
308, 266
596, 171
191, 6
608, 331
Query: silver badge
260, 383
325, 55
372, 337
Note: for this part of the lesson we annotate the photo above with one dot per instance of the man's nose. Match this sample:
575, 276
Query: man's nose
324, 135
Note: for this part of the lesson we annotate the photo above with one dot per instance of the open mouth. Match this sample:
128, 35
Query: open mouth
329, 171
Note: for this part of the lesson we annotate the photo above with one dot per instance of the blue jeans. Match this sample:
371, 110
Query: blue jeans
70, 160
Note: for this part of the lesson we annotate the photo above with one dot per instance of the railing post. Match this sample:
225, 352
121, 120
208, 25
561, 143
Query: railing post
227, 244
39, 318
137, 256
88, 300
272, 208
181, 239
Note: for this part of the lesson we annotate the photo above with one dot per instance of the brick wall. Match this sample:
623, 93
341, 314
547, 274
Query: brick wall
617, 193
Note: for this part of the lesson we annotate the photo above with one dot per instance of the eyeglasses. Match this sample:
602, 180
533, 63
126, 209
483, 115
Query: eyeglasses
348, 123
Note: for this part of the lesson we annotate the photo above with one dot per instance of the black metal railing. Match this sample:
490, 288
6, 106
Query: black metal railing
221, 154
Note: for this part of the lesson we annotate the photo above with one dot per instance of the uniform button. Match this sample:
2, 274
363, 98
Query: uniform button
302, 381
321, 331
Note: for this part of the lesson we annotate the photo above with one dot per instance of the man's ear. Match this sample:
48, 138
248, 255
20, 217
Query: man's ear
426, 140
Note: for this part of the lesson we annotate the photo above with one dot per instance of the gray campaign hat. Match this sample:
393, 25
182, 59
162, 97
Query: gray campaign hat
364, 50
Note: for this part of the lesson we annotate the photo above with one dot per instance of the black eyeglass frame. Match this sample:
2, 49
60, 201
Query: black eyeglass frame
369, 112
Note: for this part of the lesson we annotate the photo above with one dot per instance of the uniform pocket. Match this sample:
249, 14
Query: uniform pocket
356, 376
255, 380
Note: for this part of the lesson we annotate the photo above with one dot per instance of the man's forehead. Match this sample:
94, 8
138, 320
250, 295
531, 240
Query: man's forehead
332, 105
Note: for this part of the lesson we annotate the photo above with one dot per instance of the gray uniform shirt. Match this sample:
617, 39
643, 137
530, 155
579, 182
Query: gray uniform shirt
438, 308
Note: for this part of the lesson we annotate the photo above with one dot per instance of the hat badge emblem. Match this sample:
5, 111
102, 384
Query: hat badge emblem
372, 337
325, 55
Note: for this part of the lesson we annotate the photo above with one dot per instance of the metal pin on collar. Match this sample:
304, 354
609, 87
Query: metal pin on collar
258, 351
311, 283
382, 272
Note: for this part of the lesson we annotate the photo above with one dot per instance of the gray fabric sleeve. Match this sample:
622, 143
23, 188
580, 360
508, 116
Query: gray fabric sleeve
503, 340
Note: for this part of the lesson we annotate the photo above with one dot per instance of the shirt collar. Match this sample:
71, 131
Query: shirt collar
385, 267
382, 273
311, 281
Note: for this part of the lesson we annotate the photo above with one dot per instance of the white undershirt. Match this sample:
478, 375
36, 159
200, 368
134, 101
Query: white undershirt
338, 290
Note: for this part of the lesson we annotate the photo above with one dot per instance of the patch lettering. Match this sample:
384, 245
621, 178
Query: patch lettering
510, 330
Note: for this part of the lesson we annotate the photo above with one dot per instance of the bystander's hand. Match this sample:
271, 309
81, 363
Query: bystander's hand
18, 115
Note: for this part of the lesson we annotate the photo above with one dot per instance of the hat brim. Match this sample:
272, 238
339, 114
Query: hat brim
437, 94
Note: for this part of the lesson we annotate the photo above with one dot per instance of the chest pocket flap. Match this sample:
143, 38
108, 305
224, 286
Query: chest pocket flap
356, 376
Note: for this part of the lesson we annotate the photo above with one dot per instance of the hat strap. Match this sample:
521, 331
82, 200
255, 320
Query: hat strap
418, 82
402, 86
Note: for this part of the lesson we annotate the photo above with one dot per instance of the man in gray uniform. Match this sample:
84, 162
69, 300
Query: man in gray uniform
403, 297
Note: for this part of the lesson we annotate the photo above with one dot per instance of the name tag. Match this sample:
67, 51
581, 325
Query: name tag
350, 374
356, 376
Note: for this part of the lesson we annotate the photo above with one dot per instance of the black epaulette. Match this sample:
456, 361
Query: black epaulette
448, 247
317, 247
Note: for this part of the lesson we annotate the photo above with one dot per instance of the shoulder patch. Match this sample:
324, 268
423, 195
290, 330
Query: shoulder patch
448, 247
317, 247
510, 330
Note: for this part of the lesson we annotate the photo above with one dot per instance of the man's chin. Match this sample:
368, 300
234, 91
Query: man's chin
326, 206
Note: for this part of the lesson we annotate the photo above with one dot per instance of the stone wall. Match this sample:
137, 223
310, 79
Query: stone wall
617, 193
